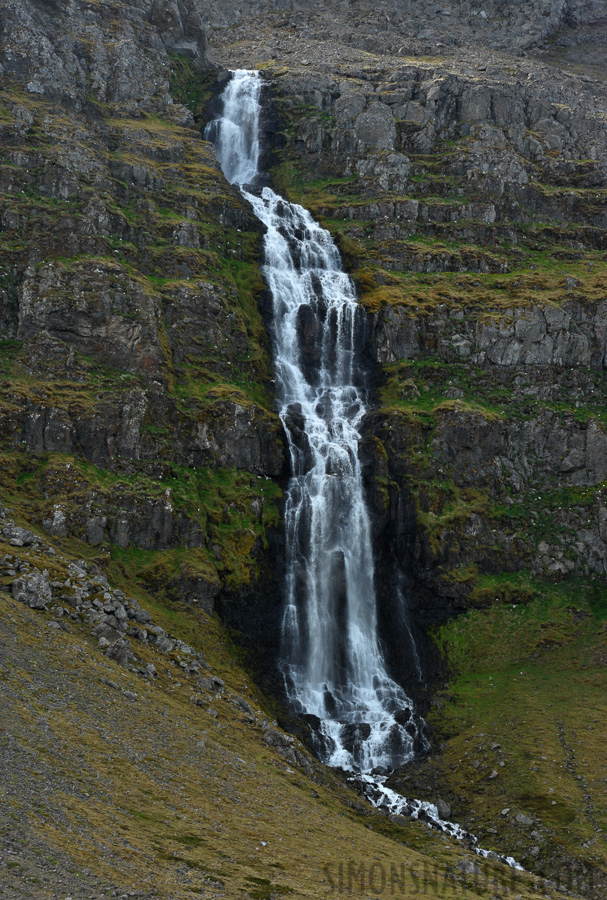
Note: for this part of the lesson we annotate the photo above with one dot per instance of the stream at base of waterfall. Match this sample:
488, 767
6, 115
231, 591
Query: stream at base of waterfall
334, 672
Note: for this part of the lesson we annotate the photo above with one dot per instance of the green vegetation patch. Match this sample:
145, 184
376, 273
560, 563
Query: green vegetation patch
229, 510
519, 719
189, 85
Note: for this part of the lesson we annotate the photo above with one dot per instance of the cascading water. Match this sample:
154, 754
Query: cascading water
333, 666
236, 133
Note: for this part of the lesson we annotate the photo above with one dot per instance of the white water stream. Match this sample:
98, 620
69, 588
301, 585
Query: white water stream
334, 670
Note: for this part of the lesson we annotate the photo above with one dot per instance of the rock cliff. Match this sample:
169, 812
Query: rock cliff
137, 411
477, 237
457, 151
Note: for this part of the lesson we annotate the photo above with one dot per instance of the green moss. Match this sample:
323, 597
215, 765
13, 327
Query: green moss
190, 85
232, 509
197, 383
520, 718
9, 352
419, 388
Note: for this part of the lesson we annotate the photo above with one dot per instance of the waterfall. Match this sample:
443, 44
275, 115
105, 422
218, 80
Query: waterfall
236, 133
333, 666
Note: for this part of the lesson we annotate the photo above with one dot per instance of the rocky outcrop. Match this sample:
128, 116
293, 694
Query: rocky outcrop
96, 310
181, 27
139, 425
114, 52
83, 594
33, 590
506, 124
572, 335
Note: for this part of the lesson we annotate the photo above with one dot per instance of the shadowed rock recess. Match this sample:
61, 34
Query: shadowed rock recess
457, 153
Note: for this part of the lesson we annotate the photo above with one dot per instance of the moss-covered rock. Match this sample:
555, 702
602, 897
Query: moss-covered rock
135, 364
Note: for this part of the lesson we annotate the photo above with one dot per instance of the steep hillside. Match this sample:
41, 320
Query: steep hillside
458, 154
139, 761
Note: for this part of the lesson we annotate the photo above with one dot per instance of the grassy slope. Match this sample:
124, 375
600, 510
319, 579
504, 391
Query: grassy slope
531, 677
158, 795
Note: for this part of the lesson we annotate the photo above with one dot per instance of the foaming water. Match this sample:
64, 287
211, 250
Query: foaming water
385, 798
236, 133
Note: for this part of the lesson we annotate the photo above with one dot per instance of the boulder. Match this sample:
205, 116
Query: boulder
444, 809
468, 867
120, 651
375, 127
33, 590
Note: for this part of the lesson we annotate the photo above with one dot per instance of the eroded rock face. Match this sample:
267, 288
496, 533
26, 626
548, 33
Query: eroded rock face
474, 233
239, 435
574, 335
137, 387
522, 463
417, 107
63, 51
142, 330
181, 27
97, 310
